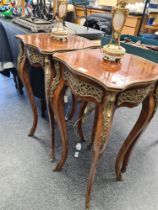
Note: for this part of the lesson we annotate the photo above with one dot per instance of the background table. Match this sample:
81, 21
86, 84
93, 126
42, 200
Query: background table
9, 44
37, 49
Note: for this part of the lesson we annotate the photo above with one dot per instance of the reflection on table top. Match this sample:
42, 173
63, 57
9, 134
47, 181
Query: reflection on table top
131, 71
46, 44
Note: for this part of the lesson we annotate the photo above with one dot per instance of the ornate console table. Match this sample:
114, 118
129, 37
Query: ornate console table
109, 86
37, 49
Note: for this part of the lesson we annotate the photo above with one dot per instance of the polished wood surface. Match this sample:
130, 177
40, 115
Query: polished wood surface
109, 86
47, 45
37, 49
90, 63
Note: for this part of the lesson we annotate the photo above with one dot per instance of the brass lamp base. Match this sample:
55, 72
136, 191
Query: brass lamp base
60, 34
113, 53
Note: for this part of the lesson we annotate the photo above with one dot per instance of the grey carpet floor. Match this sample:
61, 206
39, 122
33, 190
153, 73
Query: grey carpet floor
27, 181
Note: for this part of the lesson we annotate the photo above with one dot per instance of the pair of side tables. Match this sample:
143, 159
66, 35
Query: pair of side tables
76, 64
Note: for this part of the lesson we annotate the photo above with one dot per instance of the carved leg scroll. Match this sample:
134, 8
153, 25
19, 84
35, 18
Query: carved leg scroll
126, 149
48, 78
103, 127
23, 74
52, 133
56, 97
58, 107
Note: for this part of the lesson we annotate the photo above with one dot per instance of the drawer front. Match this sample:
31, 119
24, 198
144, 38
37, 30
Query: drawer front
89, 11
80, 12
132, 22
128, 30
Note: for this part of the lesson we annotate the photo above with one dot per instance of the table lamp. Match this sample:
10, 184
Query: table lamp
113, 51
59, 12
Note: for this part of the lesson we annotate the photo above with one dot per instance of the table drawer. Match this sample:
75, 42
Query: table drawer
91, 11
80, 12
128, 30
132, 22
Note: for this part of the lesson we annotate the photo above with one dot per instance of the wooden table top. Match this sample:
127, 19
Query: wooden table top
131, 71
47, 45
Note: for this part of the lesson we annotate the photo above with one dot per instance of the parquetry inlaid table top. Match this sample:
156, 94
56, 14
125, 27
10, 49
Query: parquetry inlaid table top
131, 71
45, 44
